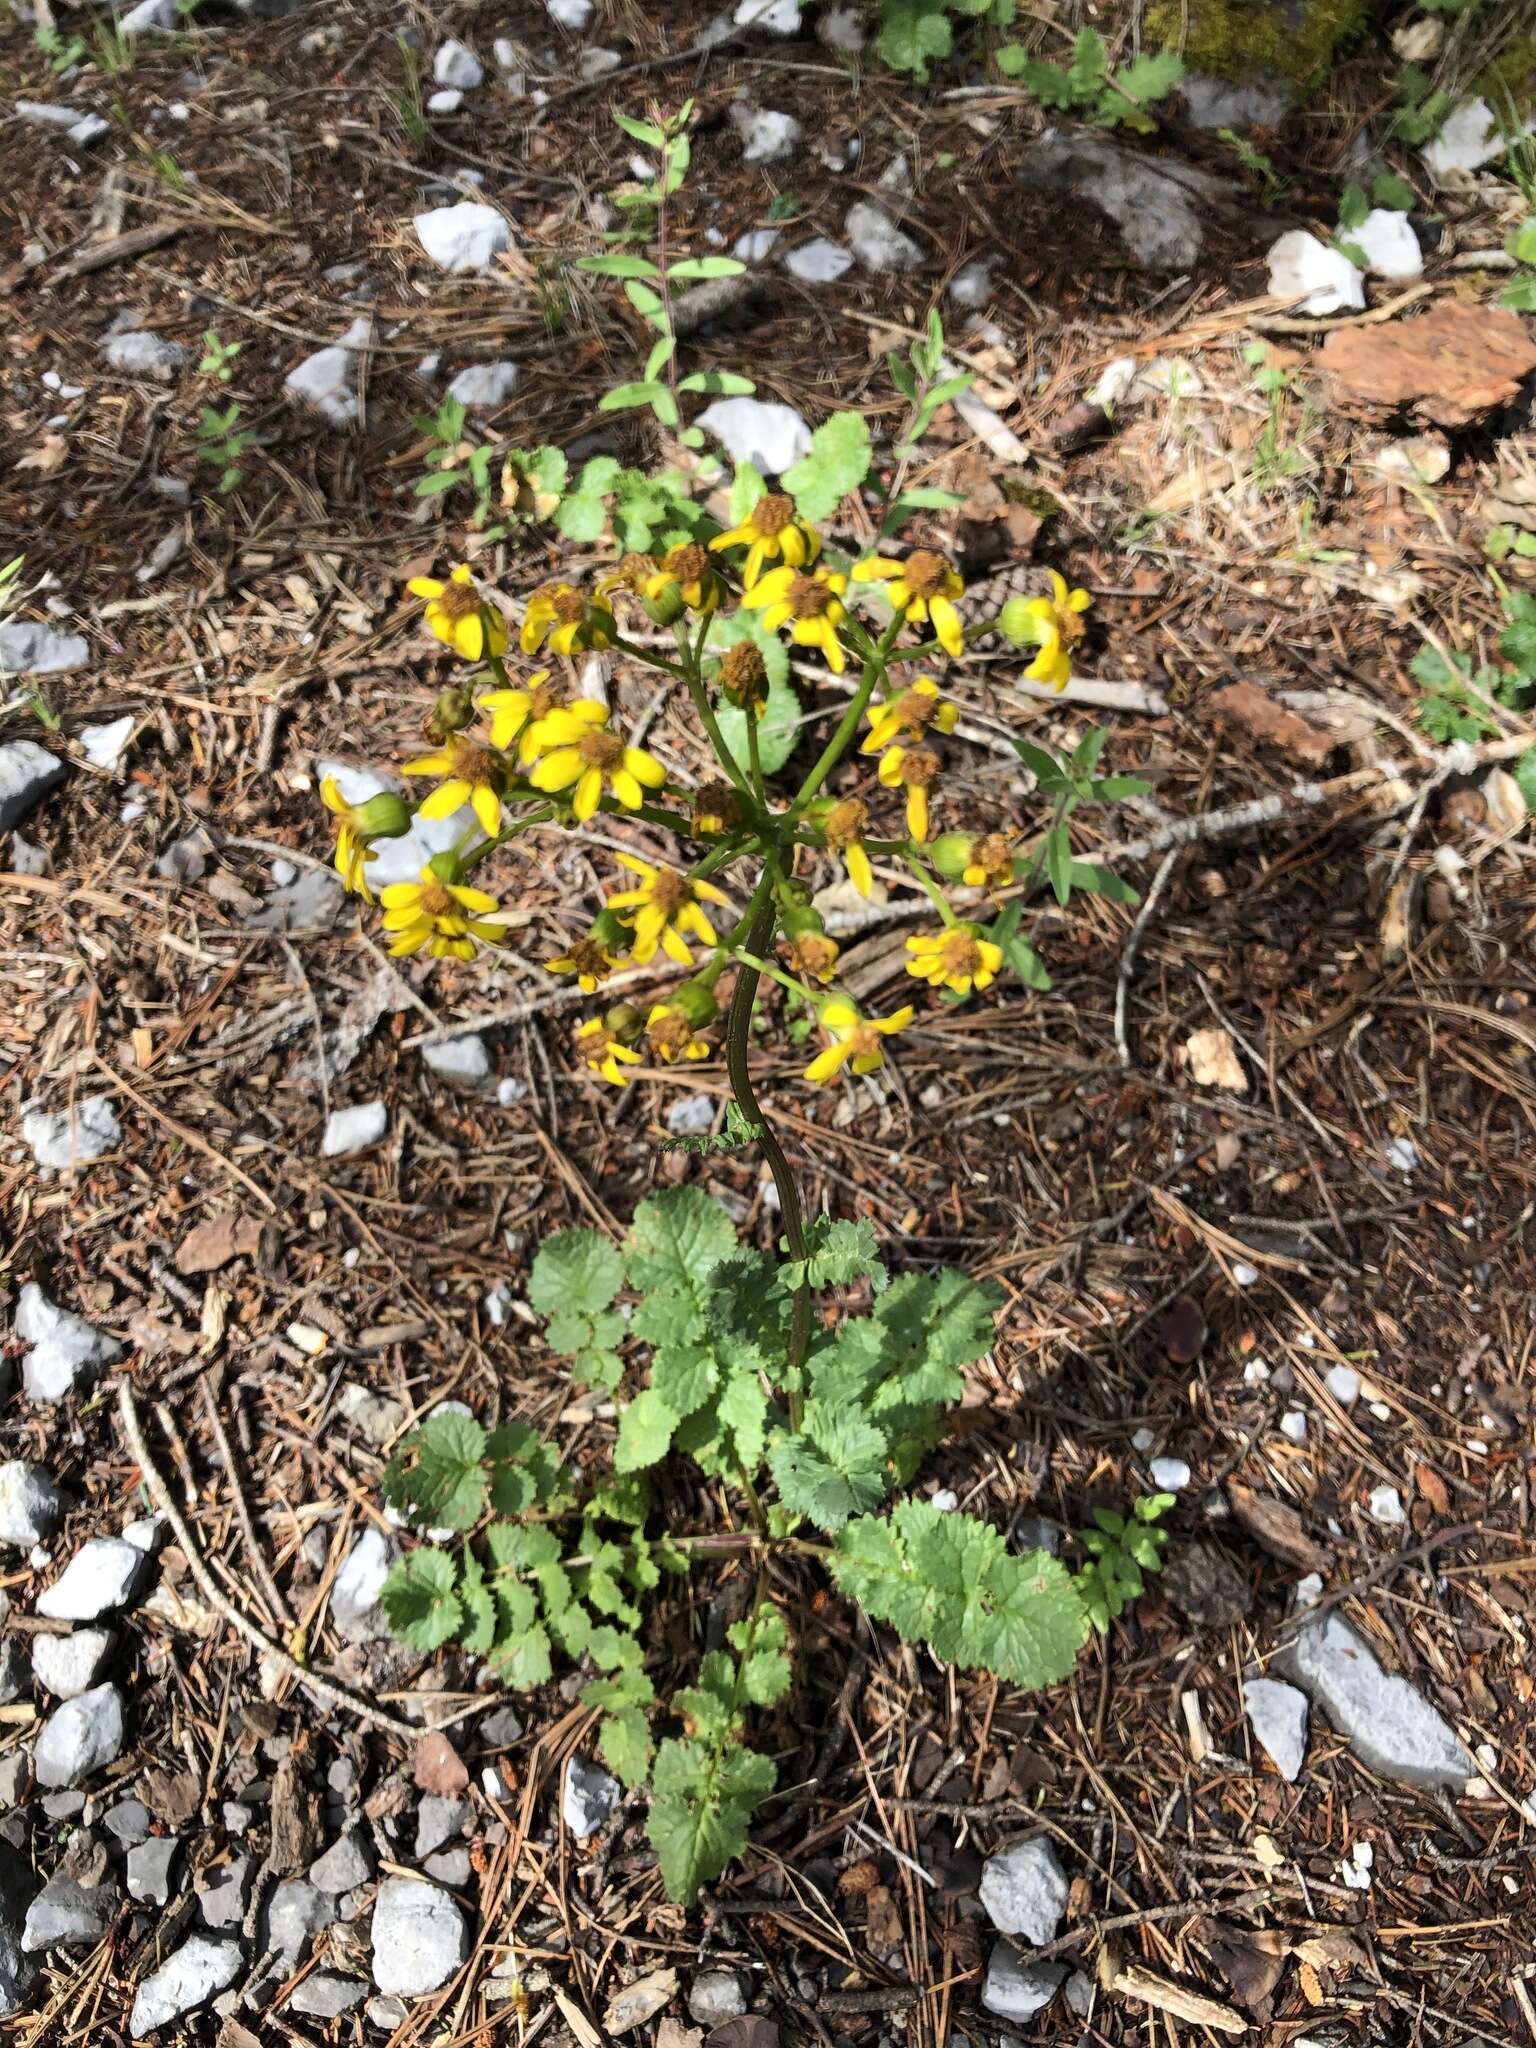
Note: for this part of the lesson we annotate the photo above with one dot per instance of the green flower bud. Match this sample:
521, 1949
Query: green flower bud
1017, 624
385, 816
446, 867
799, 918
951, 854
623, 1022
453, 711
696, 1002
666, 607
609, 931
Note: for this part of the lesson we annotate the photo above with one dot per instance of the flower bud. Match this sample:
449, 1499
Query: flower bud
445, 866
666, 607
951, 854
453, 711
1016, 622
696, 1002
385, 816
609, 931
623, 1022
743, 676
798, 918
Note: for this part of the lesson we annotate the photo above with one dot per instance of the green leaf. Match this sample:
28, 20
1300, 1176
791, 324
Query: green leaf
1097, 881
834, 1467
419, 1601
743, 1410
694, 268
618, 266
1520, 296
660, 356
762, 1643
950, 1581
718, 384
479, 1623
1523, 768
676, 1240
1522, 243
437, 1477
524, 1660
840, 1253
581, 518
1151, 76
439, 481
1058, 862
1017, 951
648, 305
778, 730
916, 33
684, 1376
624, 396
1517, 643
575, 1269
838, 463
747, 487
624, 1743
645, 1432
1387, 189
700, 1807
1043, 765
641, 131
1353, 207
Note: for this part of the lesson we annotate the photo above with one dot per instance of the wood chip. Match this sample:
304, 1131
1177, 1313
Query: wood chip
1130, 1980
1277, 1528
1253, 710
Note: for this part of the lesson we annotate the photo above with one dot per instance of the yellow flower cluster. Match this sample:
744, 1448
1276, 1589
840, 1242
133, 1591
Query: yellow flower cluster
524, 752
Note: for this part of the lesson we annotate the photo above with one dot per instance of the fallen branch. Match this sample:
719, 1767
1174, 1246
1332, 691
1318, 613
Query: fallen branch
325, 1689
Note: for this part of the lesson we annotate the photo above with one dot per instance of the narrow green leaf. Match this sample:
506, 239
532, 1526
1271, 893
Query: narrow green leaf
624, 396
618, 266
694, 269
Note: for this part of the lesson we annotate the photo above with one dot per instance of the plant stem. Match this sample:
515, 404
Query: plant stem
847, 725
930, 889
762, 913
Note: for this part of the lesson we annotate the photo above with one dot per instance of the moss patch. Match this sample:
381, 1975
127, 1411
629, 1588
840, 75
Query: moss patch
1296, 39
1510, 77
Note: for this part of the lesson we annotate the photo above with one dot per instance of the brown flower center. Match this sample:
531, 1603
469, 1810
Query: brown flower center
814, 954
671, 1034
810, 598
1071, 625
716, 808
924, 572
994, 853
568, 605
669, 892
919, 767
435, 900
742, 674
914, 708
688, 562
600, 748
772, 514
959, 953
865, 1041
459, 601
587, 957
846, 822
546, 698
473, 764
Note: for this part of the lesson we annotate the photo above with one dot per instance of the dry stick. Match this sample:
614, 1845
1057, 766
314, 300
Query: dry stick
326, 1689
1133, 946
277, 1606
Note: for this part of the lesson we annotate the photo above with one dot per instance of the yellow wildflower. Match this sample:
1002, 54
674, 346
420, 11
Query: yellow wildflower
716, 809
810, 604
446, 917
516, 711
743, 677
1055, 624
957, 958
667, 905
589, 960
843, 829
909, 714
574, 747
771, 532
475, 775
602, 1045
989, 863
812, 955
460, 616
856, 1040
687, 570
380, 817
912, 769
672, 1035
568, 619
923, 587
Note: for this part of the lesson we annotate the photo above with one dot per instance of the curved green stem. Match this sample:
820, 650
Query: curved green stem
930, 889
847, 725
762, 914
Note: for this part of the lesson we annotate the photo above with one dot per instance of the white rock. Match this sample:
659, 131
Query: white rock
1016, 1989
484, 386
1293, 1425
67, 1352
27, 858
75, 1136
1024, 1891
69, 1665
1355, 1868
1321, 280
971, 285
197, 1971
1277, 1714
766, 136
842, 28
149, 15
1389, 1726
419, 1937
1403, 1154
755, 246
1115, 382
353, 1129
715, 1996
32, 649
1386, 1507
877, 242
402, 859
466, 1060
818, 262
326, 381
1259, 102
1471, 137
103, 744
596, 63
27, 773
456, 66
1170, 1475
770, 17
1386, 240
510, 1090
575, 15
447, 100
771, 437
99, 1578
348, 1862
462, 237
149, 1869
1343, 1382
691, 1116
68, 1915
1159, 204
82, 1736
31, 1506
591, 1797
355, 1590
140, 354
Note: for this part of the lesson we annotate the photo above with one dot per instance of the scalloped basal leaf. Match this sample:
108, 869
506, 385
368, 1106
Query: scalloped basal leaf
646, 1429
575, 1270
838, 462
523, 1660
675, 1241
833, 1469
419, 1600
444, 1488
685, 1375
700, 1808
